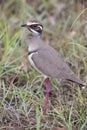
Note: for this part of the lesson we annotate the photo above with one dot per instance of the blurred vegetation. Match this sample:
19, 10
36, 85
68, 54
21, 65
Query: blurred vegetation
21, 87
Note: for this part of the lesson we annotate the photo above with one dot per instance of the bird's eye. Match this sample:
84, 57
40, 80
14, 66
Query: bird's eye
33, 26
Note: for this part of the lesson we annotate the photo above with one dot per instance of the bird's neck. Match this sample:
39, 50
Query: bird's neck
36, 35
35, 42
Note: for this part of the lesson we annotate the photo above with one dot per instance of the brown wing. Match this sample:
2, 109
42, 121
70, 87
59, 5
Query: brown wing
50, 63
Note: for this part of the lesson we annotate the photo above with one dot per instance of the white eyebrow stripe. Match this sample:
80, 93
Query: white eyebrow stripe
32, 23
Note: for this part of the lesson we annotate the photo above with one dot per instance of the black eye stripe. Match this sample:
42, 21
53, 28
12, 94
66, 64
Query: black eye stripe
34, 26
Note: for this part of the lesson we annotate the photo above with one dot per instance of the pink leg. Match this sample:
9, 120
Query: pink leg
48, 89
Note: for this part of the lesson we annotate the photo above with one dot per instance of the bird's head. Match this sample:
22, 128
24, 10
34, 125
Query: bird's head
34, 27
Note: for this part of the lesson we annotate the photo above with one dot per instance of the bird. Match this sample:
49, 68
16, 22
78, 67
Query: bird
46, 60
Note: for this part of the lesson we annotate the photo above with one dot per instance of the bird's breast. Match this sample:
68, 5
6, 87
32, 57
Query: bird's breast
30, 55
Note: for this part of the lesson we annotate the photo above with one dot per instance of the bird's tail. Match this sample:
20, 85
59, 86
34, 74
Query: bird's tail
75, 79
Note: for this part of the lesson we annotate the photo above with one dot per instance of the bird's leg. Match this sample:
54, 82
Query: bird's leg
48, 89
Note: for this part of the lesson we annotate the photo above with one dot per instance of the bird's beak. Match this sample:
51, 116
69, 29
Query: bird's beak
24, 25
27, 25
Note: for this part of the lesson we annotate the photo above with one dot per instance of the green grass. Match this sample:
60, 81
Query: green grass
22, 88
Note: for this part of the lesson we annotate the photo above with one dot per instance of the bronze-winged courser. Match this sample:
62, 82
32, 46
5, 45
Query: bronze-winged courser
46, 59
